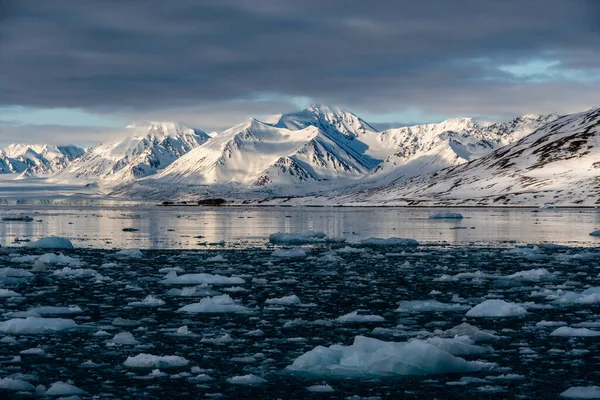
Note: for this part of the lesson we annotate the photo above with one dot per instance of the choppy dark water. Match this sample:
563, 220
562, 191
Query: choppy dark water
374, 281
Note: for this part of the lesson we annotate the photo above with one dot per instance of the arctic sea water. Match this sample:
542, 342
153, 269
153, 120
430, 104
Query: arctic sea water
198, 302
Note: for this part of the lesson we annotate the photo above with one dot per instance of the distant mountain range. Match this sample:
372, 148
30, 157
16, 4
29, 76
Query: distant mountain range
330, 156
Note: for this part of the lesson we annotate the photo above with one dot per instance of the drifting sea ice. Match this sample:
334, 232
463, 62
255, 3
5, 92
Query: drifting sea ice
129, 253
496, 308
355, 318
393, 241
8, 293
582, 392
36, 325
297, 238
246, 380
151, 361
368, 356
52, 310
51, 242
588, 296
197, 279
51, 258
285, 300
64, 389
15, 385
149, 301
217, 304
576, 332
290, 253
429, 306
125, 338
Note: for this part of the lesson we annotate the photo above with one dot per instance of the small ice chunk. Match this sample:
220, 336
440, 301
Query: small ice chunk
595, 233
393, 241
129, 253
429, 306
8, 293
471, 331
216, 304
285, 300
582, 392
15, 385
246, 380
354, 317
322, 388
149, 301
125, 338
534, 275
51, 242
51, 259
566, 331
297, 238
151, 361
497, 308
52, 310
290, 253
198, 279
36, 325
64, 389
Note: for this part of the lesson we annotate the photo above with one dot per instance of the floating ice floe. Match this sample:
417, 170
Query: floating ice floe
355, 318
51, 242
322, 388
246, 380
15, 385
53, 310
36, 325
196, 279
125, 338
429, 306
368, 356
469, 330
68, 272
588, 296
216, 304
297, 238
393, 241
582, 392
51, 259
534, 275
285, 300
497, 308
577, 332
217, 258
64, 389
193, 291
8, 293
458, 345
595, 233
446, 215
151, 361
129, 253
290, 253
149, 301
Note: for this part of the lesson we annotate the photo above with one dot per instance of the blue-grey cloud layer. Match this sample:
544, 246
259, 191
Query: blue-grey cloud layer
437, 55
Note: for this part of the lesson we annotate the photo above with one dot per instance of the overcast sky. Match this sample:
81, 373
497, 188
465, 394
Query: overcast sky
79, 70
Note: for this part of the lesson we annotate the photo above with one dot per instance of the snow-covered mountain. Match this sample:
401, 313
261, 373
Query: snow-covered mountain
37, 159
423, 149
314, 145
321, 148
557, 164
146, 149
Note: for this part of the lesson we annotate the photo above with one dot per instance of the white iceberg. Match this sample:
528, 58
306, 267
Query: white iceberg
577, 332
149, 301
36, 325
367, 356
354, 317
285, 300
129, 253
64, 389
582, 392
429, 306
297, 238
51, 242
246, 380
496, 308
216, 304
15, 385
151, 361
198, 279
290, 253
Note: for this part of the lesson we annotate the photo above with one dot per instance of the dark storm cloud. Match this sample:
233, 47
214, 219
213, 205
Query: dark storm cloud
437, 55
